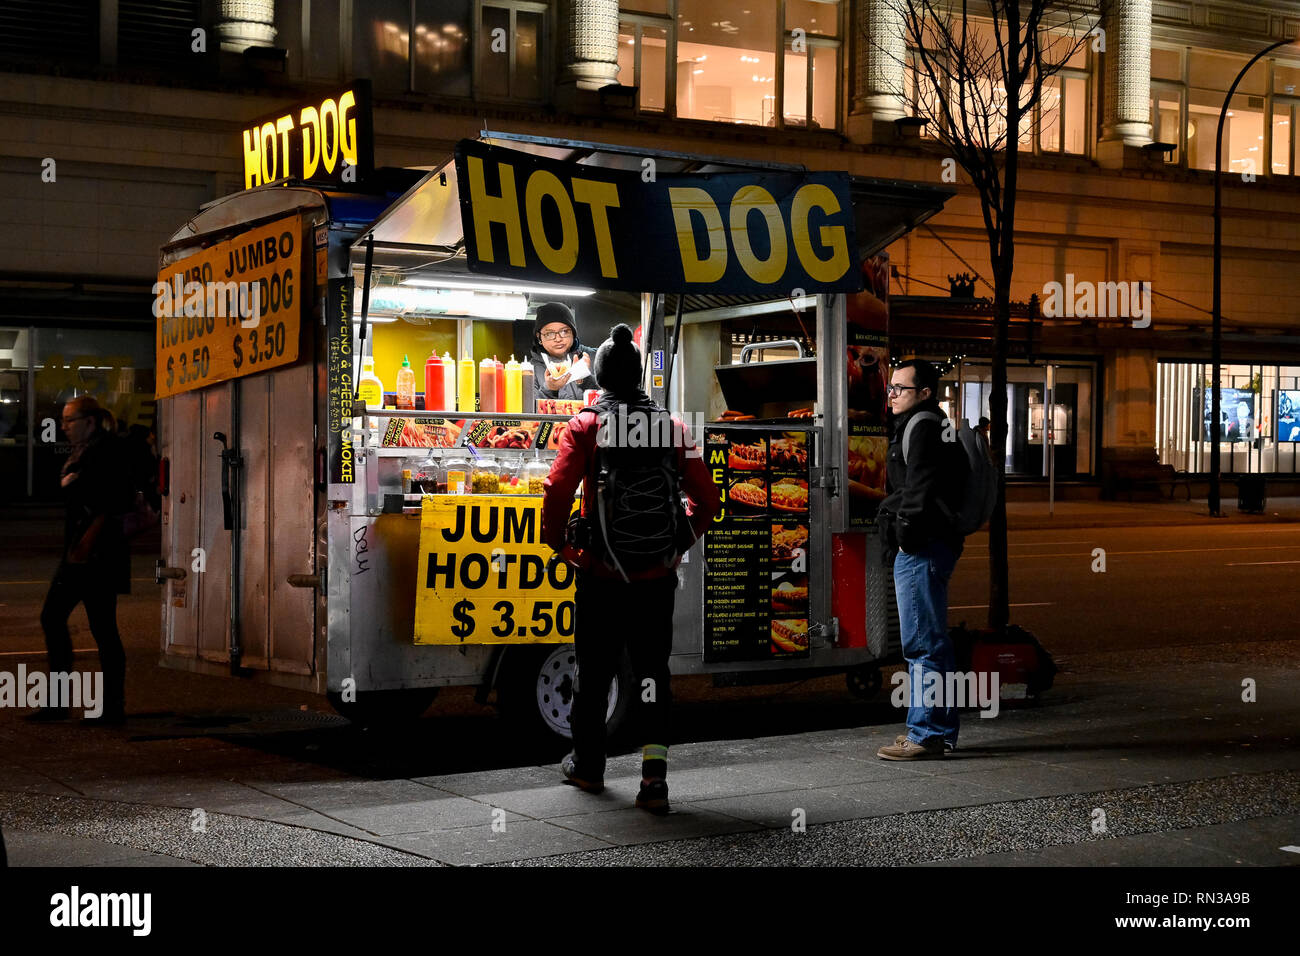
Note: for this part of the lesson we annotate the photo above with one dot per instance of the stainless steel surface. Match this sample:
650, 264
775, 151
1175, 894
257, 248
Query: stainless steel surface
760, 347
832, 397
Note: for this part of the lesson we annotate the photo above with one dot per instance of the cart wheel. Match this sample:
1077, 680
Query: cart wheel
537, 690
380, 708
864, 681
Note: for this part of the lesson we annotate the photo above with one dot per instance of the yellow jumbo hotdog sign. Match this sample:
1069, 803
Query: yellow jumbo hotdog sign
485, 577
231, 310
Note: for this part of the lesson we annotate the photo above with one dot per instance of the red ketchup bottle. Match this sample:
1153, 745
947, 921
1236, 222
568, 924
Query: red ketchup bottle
434, 383
501, 384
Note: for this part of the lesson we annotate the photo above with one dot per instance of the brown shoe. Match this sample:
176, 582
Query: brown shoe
908, 749
947, 747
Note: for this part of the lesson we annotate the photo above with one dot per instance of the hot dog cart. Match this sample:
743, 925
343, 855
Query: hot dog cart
377, 553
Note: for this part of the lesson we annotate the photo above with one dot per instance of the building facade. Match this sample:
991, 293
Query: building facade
124, 119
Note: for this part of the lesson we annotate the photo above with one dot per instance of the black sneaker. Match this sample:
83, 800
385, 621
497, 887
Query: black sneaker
45, 715
585, 782
653, 797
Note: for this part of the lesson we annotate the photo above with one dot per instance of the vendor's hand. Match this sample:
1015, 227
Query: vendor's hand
67, 479
555, 384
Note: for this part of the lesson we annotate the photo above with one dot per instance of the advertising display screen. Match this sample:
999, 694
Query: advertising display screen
1236, 414
1288, 416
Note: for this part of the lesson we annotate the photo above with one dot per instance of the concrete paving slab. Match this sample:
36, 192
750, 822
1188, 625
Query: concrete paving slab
449, 813
57, 849
907, 794
630, 826
558, 800
1260, 840
491, 781
777, 810
520, 840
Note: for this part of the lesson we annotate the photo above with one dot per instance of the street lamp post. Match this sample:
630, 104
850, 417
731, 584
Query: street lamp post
1216, 336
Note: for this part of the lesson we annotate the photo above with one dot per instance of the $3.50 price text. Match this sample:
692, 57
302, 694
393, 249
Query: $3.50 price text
258, 346
510, 623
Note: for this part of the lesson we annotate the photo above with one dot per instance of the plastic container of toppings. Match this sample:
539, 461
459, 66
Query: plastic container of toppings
456, 476
486, 478
534, 475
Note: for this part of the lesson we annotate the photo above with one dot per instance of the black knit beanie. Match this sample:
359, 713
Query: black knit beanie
549, 312
618, 362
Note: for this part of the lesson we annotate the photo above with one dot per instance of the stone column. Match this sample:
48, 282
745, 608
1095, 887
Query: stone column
246, 23
589, 43
1127, 118
879, 64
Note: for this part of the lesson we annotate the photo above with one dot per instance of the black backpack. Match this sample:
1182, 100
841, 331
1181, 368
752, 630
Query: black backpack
639, 520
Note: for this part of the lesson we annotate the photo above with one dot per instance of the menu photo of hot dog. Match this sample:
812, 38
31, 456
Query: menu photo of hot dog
790, 452
749, 493
789, 594
790, 494
787, 539
790, 636
747, 456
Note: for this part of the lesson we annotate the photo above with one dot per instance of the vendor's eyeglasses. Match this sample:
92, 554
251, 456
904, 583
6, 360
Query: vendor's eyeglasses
896, 389
552, 336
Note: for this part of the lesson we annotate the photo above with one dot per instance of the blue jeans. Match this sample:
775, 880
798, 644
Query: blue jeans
921, 587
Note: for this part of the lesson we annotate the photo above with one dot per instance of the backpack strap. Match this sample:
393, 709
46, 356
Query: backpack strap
926, 415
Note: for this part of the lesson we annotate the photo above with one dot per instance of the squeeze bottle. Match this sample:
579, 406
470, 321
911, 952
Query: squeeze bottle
433, 387
487, 385
514, 387
369, 388
406, 384
448, 383
465, 385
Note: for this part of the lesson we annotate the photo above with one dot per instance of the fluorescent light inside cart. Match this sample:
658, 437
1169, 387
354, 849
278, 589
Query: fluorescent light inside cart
433, 303
498, 287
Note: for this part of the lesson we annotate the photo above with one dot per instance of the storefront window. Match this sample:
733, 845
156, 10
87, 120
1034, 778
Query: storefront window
381, 42
1285, 114
643, 62
1166, 118
726, 60
969, 385
1209, 76
511, 51
1259, 417
442, 47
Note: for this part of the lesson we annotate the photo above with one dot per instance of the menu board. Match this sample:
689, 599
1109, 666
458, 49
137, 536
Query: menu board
868, 377
756, 553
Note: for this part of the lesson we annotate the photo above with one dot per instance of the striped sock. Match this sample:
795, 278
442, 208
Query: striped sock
654, 761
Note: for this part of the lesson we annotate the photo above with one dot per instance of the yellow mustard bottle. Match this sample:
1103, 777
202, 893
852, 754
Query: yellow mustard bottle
465, 382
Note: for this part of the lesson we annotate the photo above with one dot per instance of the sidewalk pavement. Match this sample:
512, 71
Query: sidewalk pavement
1135, 759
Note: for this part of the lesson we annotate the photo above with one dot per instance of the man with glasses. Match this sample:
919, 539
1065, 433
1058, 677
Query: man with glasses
96, 563
562, 366
925, 486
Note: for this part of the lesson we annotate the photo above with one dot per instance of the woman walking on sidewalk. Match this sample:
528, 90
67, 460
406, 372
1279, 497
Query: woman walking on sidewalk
96, 563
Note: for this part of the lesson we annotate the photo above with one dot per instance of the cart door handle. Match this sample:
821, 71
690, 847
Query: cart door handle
227, 516
303, 580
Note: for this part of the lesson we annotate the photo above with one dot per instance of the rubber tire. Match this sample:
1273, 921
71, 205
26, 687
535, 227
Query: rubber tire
384, 708
864, 681
517, 696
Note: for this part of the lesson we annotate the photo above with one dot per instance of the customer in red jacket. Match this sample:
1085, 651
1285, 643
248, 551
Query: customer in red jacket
612, 608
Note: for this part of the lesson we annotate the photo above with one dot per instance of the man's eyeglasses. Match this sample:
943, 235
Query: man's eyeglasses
896, 389
553, 336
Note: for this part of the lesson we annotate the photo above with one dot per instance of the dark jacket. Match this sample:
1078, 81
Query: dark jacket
925, 491
571, 389
576, 461
100, 487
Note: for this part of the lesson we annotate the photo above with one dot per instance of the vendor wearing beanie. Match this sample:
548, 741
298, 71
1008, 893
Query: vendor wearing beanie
555, 342
613, 609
